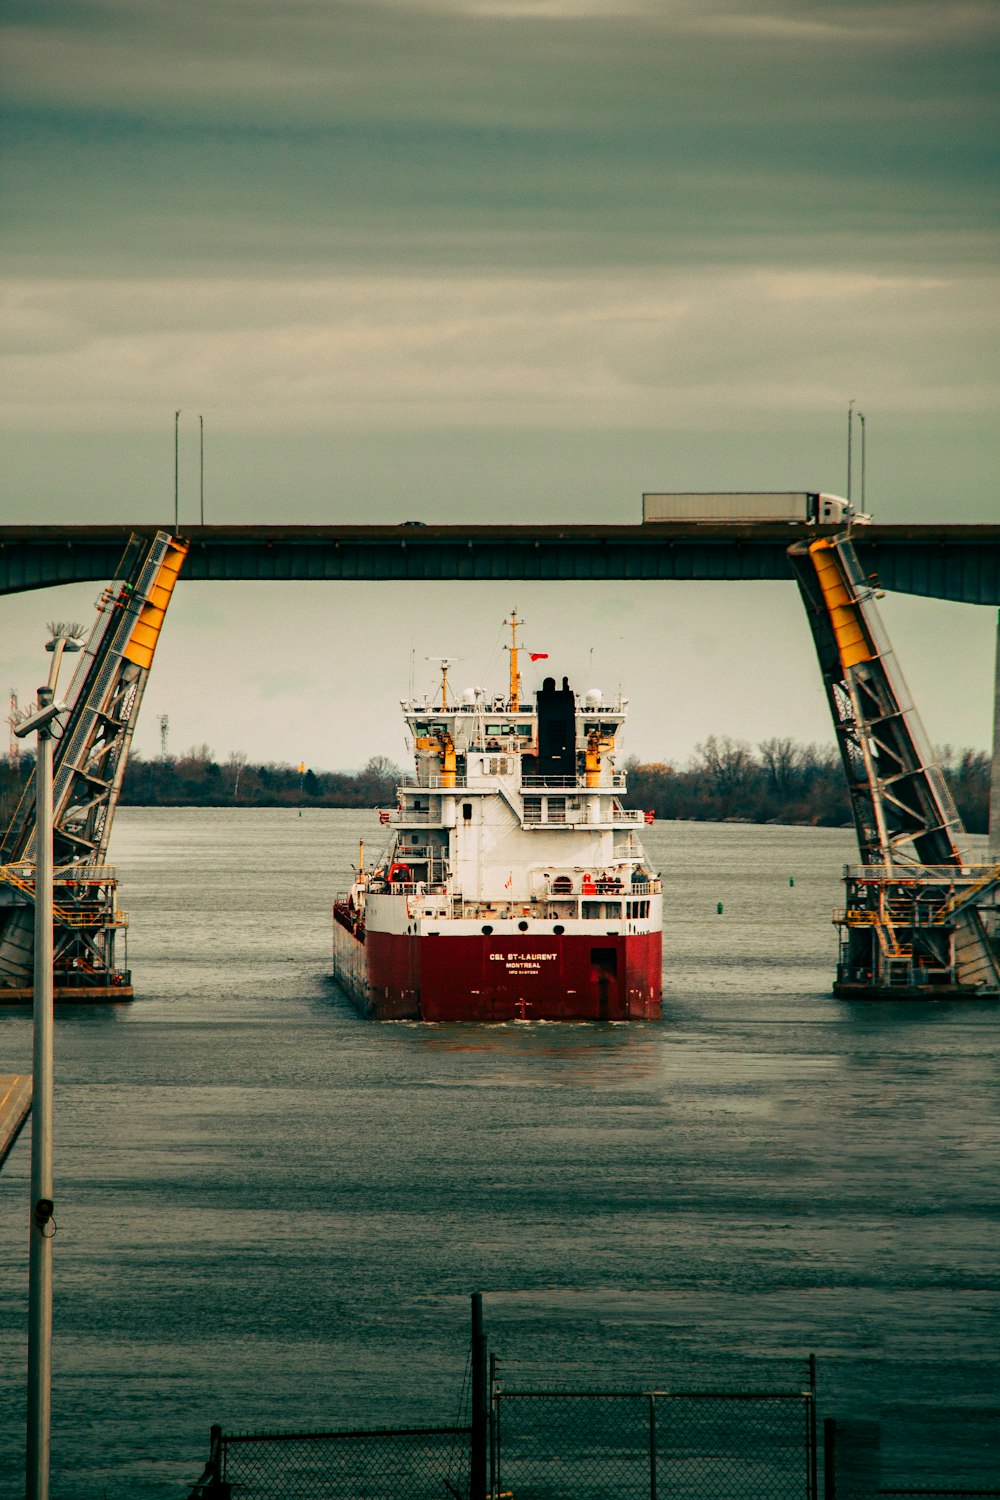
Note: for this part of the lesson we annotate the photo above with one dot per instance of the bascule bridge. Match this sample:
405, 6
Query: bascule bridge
920, 919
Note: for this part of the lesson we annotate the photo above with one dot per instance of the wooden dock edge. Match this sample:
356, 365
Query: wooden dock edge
15, 1105
114, 994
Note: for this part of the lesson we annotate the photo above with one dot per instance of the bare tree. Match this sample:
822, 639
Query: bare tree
237, 760
380, 778
728, 763
779, 758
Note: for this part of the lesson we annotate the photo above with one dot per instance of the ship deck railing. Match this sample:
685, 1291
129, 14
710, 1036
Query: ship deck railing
578, 817
448, 781
616, 781
602, 891
435, 891
907, 874
562, 817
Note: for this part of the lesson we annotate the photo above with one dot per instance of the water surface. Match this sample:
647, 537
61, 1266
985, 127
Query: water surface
272, 1213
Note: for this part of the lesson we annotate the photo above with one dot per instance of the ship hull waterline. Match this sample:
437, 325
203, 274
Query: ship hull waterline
583, 976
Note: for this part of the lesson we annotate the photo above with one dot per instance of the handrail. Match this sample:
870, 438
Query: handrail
446, 782
93, 913
65, 874
906, 874
968, 895
574, 783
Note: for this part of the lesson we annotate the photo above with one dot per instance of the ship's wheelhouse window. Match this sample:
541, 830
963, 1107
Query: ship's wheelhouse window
525, 730
602, 909
467, 811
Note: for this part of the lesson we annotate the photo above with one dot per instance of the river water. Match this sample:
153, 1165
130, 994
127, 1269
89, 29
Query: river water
271, 1213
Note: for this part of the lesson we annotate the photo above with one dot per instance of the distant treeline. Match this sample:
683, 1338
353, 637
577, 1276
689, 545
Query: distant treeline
198, 780
783, 782
778, 782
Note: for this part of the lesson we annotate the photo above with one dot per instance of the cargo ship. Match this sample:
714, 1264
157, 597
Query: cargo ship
514, 886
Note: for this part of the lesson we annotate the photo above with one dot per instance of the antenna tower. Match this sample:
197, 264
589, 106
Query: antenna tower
164, 731
515, 676
444, 662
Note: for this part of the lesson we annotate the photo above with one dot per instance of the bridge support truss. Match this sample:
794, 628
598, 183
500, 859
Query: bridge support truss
89, 763
920, 920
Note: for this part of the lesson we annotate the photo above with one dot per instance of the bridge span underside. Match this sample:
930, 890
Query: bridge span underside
955, 562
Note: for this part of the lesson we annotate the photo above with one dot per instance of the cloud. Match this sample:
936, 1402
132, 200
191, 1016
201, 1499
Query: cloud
691, 345
467, 61
33, 327
145, 136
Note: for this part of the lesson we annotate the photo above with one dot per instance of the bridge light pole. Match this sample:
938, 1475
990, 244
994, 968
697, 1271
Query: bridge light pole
41, 721
177, 471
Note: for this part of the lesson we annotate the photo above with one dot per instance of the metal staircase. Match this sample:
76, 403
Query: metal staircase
88, 765
920, 920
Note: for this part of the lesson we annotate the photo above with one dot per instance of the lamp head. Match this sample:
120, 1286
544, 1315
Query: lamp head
71, 635
40, 718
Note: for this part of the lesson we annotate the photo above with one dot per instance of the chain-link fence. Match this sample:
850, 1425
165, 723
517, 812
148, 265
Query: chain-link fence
852, 1468
653, 1445
417, 1463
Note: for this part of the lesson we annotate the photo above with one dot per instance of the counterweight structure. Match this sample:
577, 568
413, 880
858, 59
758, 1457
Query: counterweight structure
920, 920
89, 762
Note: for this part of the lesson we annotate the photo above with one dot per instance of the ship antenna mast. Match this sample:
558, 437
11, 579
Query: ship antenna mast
444, 662
515, 678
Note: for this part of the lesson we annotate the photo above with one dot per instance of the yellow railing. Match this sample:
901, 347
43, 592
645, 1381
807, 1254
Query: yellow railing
91, 915
991, 876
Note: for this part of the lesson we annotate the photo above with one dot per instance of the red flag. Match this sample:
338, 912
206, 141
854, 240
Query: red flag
539, 655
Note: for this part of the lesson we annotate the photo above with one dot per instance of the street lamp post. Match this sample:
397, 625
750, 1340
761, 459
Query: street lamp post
41, 721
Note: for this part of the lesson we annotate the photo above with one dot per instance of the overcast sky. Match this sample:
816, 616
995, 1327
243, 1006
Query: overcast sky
497, 259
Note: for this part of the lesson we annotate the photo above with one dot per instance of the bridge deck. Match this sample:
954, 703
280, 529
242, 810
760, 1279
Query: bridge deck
959, 562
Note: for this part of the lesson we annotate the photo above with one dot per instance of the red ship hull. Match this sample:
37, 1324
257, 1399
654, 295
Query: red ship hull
470, 977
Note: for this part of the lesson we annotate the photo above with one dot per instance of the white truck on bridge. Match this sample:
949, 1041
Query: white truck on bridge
804, 507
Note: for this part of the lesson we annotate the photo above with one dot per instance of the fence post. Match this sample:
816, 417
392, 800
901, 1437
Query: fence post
652, 1446
851, 1457
480, 1402
494, 1431
211, 1485
830, 1459
811, 1419
218, 1489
